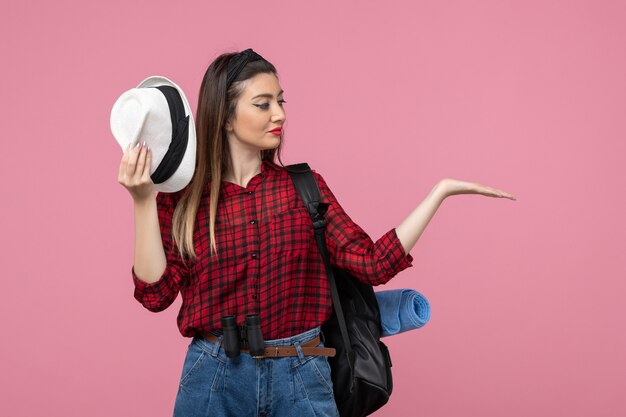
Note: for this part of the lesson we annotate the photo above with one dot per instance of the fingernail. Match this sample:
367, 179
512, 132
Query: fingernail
143, 145
136, 145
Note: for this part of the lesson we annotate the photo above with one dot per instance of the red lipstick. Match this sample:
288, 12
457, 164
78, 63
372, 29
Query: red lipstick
277, 131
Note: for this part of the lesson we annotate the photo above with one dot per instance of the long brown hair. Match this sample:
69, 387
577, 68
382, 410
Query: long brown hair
216, 106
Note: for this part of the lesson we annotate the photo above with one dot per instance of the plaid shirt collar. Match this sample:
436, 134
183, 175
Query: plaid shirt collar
268, 168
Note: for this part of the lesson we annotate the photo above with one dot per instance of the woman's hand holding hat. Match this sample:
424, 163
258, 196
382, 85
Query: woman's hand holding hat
134, 172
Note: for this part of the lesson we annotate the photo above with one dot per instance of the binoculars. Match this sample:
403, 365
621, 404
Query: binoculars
245, 337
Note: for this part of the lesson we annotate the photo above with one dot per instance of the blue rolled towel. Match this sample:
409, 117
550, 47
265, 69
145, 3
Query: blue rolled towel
402, 310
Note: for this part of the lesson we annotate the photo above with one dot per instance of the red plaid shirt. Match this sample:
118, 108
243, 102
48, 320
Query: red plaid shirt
269, 263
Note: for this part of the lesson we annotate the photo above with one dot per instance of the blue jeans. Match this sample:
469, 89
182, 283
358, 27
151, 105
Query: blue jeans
212, 384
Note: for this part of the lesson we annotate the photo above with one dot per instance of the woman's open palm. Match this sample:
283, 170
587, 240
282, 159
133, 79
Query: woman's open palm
452, 186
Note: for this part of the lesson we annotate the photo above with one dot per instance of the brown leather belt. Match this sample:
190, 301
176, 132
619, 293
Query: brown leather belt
309, 348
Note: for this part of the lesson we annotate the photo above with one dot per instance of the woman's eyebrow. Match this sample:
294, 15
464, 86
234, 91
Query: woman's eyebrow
268, 95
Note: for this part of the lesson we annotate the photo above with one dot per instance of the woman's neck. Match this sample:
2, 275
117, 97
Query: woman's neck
243, 172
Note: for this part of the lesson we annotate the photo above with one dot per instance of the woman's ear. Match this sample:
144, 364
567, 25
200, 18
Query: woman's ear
228, 127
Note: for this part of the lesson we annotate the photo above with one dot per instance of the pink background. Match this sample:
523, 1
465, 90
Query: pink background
384, 99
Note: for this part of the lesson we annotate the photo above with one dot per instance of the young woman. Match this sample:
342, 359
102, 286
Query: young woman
238, 241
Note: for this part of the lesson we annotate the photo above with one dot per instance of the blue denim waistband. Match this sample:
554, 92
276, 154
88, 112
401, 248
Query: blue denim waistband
302, 337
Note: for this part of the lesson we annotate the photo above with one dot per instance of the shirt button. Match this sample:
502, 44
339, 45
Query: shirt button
249, 192
252, 221
254, 255
254, 296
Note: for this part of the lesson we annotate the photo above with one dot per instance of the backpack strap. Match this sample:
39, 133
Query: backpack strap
309, 192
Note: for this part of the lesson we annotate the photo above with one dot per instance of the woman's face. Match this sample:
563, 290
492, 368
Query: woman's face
258, 111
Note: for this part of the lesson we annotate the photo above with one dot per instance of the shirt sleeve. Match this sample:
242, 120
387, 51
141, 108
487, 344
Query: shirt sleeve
352, 249
159, 295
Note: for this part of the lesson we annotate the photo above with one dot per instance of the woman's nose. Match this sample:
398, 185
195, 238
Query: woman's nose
278, 115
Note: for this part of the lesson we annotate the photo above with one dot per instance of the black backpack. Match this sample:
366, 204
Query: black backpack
361, 369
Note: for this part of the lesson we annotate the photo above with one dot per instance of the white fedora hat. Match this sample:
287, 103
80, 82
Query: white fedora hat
157, 111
